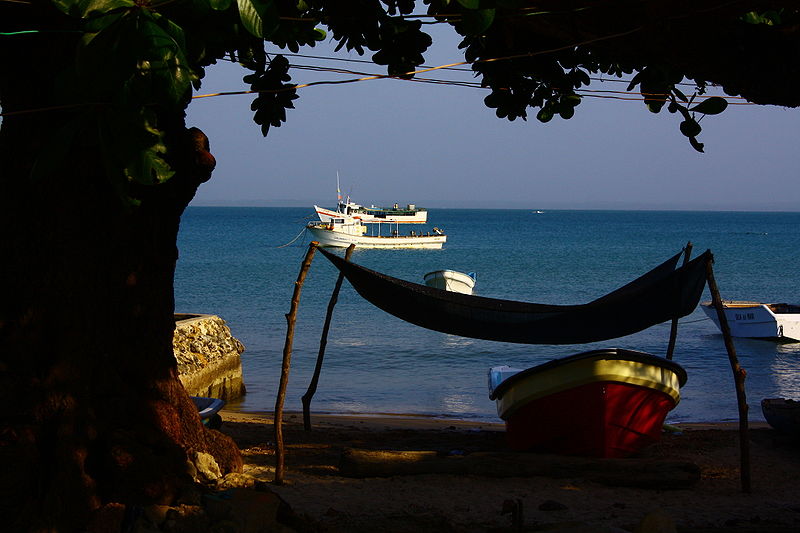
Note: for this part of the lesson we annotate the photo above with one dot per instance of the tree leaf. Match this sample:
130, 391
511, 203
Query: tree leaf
87, 8
711, 106
545, 114
475, 22
259, 17
690, 128
163, 72
580, 77
769, 18
635, 81
696, 145
570, 100
274, 96
655, 95
566, 111
219, 5
677, 92
470, 4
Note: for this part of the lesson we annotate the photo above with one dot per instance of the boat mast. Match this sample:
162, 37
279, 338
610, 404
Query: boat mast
338, 193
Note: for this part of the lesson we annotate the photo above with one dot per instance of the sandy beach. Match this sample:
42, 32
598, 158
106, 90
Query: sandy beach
327, 491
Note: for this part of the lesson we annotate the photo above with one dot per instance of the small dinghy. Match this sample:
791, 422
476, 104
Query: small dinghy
451, 280
782, 414
208, 408
601, 403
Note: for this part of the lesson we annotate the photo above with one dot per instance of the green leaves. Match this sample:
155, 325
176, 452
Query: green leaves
131, 68
137, 57
275, 97
659, 86
133, 147
768, 18
563, 106
220, 5
259, 17
475, 21
401, 44
711, 106
90, 8
297, 34
546, 113
690, 127
656, 84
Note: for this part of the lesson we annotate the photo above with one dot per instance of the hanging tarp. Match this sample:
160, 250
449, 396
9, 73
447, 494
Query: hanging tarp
664, 293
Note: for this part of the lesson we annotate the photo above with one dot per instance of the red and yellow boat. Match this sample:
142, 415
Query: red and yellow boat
601, 403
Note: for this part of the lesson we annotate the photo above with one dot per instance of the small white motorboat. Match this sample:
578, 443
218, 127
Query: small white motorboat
451, 280
757, 320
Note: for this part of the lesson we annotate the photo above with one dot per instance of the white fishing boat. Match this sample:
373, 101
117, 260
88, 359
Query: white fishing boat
353, 212
757, 320
451, 280
410, 214
341, 233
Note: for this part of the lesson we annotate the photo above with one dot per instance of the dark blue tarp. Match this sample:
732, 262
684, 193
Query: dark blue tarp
662, 294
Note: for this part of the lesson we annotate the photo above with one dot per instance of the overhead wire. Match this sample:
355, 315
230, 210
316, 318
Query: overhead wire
448, 66
413, 77
596, 93
454, 69
590, 93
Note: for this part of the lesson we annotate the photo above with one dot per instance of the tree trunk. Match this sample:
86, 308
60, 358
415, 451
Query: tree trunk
91, 410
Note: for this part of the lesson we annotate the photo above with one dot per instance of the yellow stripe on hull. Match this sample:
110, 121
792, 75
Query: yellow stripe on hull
585, 371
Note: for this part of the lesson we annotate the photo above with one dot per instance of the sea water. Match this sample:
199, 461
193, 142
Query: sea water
242, 264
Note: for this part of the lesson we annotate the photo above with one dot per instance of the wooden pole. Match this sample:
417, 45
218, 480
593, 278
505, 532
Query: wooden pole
291, 318
323, 342
739, 375
673, 331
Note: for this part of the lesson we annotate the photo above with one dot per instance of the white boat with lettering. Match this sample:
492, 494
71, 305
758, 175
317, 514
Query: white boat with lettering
342, 232
758, 320
451, 280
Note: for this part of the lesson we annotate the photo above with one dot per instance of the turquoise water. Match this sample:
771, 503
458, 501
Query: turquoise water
235, 262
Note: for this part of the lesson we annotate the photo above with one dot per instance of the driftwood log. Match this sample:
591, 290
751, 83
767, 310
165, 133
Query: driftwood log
632, 472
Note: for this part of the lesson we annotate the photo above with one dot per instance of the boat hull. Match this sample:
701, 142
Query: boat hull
782, 414
450, 280
757, 320
605, 403
332, 238
208, 409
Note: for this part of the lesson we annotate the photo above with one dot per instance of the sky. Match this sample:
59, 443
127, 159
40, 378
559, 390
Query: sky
435, 145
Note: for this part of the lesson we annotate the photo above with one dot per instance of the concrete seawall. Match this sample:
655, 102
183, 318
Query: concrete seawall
208, 356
